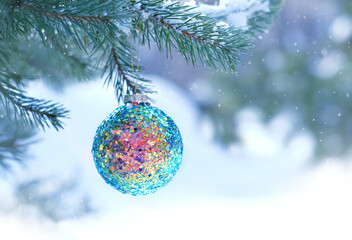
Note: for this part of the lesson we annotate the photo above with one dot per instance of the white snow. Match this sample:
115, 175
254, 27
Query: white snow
237, 12
258, 190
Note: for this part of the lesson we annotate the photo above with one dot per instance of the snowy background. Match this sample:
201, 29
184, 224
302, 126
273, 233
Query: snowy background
269, 184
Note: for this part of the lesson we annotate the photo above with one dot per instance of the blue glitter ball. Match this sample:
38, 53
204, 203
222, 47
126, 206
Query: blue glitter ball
137, 149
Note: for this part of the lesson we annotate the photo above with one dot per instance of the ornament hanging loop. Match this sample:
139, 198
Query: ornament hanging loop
136, 77
138, 60
132, 62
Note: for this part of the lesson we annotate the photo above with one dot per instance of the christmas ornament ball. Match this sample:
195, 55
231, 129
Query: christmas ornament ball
137, 148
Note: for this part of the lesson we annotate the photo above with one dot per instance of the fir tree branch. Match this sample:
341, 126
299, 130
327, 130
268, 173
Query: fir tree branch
14, 141
193, 35
121, 71
4, 56
33, 112
260, 21
187, 34
57, 66
120, 74
55, 15
67, 22
79, 31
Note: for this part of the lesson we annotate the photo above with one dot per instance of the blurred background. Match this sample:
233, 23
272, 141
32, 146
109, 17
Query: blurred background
267, 153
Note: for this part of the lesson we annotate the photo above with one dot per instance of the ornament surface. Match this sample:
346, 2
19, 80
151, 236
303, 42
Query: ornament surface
137, 149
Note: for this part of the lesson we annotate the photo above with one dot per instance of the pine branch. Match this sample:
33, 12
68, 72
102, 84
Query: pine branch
83, 10
14, 141
83, 32
261, 20
84, 26
67, 22
13, 147
33, 112
57, 66
259, 14
55, 15
193, 35
120, 74
4, 56
121, 71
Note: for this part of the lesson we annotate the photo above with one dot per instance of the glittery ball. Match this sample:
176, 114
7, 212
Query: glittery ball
137, 149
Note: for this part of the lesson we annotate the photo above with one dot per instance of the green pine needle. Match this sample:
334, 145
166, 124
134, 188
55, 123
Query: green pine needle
93, 36
33, 112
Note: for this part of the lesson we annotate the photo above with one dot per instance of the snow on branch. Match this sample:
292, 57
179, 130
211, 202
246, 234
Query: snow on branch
240, 13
